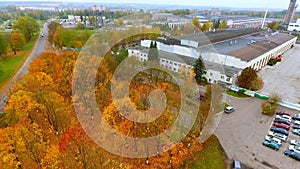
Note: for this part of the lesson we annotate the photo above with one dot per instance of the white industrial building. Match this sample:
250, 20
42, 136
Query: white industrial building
215, 73
225, 53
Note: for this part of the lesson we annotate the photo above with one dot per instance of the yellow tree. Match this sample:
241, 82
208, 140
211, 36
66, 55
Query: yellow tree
16, 42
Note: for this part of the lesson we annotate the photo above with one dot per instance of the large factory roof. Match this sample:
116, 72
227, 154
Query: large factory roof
257, 49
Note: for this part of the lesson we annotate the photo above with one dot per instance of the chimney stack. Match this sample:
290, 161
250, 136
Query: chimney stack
290, 13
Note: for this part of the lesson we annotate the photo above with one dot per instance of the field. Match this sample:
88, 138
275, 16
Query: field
12, 63
210, 157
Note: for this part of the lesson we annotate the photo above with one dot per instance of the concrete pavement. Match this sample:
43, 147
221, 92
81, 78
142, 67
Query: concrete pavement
242, 132
284, 77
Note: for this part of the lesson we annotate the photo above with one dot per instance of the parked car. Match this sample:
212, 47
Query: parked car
295, 142
271, 144
292, 154
283, 113
296, 131
274, 139
279, 130
296, 126
294, 148
281, 125
229, 109
282, 121
284, 117
278, 135
297, 122
237, 165
296, 117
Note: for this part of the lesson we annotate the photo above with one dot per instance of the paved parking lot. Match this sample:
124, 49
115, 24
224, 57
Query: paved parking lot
242, 133
284, 77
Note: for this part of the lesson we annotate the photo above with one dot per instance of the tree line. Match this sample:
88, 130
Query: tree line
40, 130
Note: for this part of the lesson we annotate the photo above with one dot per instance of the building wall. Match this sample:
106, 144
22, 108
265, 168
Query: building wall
224, 59
261, 61
214, 76
176, 49
141, 56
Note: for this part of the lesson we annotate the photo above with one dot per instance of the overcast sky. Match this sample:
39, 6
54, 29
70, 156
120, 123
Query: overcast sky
281, 4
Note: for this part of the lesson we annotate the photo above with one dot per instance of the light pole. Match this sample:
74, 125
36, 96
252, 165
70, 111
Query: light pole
266, 13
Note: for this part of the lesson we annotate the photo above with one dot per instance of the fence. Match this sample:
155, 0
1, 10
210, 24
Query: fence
264, 97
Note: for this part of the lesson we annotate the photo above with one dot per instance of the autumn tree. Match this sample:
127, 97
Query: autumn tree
51, 30
208, 25
196, 22
199, 69
222, 24
274, 25
249, 79
80, 26
189, 28
16, 42
75, 144
22, 146
26, 26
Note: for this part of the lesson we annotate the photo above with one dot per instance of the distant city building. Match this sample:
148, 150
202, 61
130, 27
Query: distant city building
42, 8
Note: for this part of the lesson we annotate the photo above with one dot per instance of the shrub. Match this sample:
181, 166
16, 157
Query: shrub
267, 108
272, 62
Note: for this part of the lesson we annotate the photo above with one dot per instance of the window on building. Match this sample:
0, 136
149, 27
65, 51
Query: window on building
211, 74
222, 77
228, 79
209, 80
171, 62
205, 72
175, 64
163, 60
174, 69
167, 61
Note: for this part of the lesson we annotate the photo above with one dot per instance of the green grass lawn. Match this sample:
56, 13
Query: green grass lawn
236, 94
11, 64
211, 156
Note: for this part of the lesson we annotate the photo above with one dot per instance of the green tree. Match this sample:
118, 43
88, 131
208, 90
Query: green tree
153, 53
274, 25
196, 22
27, 26
249, 79
3, 45
16, 42
199, 69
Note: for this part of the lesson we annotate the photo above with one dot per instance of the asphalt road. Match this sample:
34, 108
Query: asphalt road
242, 132
37, 50
284, 77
